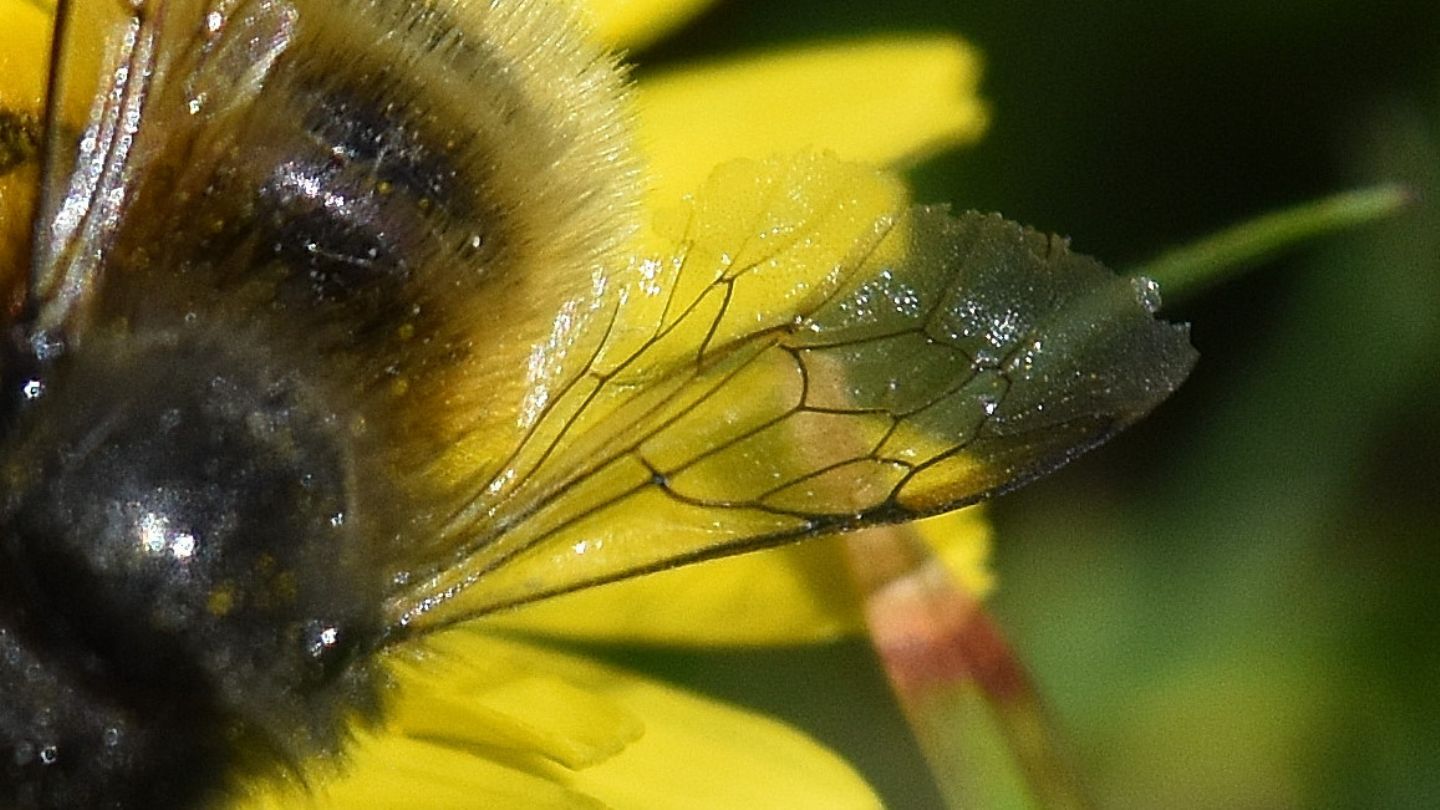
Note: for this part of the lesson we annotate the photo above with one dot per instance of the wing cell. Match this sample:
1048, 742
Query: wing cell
818, 356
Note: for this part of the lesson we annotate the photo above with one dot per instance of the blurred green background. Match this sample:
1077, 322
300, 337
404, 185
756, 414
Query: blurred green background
1234, 604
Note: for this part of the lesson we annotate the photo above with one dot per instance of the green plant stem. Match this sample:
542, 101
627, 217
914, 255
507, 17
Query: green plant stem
1186, 271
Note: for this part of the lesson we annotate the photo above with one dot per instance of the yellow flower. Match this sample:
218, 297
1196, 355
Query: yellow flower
485, 715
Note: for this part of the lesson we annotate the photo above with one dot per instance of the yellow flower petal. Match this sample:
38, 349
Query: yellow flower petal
475, 690
874, 101
702, 754
23, 62
386, 772
475, 721
636, 23
961, 540
795, 595
799, 594
697, 753
26, 55
436, 751
534, 713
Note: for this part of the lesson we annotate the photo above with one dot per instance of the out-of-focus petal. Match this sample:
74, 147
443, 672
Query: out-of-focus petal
26, 55
799, 594
875, 101
23, 62
795, 595
961, 541
636, 23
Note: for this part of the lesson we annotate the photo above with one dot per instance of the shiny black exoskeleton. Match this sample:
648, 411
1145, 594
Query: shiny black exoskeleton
178, 580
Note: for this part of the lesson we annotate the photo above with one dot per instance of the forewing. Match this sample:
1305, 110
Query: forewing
817, 356
133, 89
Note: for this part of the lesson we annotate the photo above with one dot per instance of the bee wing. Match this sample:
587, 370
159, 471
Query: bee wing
130, 83
818, 356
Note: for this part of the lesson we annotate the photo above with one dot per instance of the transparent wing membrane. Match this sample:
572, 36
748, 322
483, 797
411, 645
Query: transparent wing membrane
818, 355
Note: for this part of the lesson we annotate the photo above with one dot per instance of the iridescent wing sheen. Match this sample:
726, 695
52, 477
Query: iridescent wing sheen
129, 87
818, 355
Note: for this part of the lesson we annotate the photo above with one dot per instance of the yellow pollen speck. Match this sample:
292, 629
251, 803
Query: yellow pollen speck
221, 600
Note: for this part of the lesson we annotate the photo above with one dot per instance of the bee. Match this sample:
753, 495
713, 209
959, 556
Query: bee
332, 333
